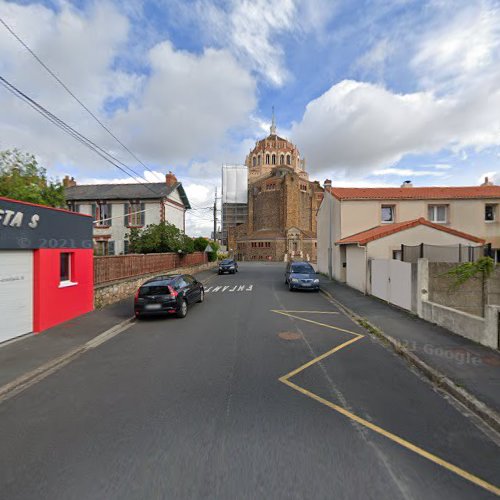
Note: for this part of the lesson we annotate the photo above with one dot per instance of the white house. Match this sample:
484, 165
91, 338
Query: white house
381, 242
117, 208
471, 210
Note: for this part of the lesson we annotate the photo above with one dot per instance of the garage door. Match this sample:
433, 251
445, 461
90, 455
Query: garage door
16, 293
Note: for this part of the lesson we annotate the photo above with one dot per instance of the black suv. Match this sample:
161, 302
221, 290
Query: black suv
228, 266
171, 294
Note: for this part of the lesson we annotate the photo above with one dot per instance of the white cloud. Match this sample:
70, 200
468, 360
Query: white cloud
463, 46
181, 109
248, 28
362, 126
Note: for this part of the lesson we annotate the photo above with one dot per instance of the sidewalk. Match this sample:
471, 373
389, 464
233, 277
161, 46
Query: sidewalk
471, 367
20, 357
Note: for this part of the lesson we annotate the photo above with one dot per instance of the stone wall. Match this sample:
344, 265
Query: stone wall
468, 298
109, 293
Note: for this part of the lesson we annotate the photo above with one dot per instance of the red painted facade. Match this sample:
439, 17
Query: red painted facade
53, 302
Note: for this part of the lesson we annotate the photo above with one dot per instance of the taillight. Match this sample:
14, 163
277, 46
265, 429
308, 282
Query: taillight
173, 292
136, 296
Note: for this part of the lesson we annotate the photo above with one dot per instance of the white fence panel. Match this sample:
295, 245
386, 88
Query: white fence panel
380, 278
392, 281
400, 285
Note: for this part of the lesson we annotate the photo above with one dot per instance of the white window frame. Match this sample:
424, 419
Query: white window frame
69, 281
393, 211
434, 208
494, 208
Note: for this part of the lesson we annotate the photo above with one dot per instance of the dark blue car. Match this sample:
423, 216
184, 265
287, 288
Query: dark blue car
301, 276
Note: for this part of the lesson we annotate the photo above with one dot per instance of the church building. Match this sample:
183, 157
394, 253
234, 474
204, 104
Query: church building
282, 205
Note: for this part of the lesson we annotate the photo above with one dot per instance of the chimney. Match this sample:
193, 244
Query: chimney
487, 182
69, 182
171, 179
327, 184
407, 184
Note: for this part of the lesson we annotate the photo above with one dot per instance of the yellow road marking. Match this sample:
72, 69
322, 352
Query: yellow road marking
375, 428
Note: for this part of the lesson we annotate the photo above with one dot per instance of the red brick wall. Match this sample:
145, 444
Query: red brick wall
117, 267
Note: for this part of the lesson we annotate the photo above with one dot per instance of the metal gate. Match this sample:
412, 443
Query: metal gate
391, 280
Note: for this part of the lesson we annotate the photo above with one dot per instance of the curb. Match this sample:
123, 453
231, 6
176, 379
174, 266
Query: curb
480, 409
28, 379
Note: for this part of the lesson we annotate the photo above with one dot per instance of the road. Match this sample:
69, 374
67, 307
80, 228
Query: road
220, 405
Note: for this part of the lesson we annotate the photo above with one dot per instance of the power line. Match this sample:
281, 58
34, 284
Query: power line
39, 60
74, 133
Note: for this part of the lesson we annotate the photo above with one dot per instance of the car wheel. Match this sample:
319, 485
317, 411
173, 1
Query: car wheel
202, 296
182, 312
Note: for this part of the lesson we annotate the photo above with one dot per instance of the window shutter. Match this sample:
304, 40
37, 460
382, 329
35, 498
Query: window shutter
110, 214
125, 214
143, 215
94, 210
111, 247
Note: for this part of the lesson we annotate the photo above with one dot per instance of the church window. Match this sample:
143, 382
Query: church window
267, 159
274, 159
258, 160
254, 161
288, 160
282, 160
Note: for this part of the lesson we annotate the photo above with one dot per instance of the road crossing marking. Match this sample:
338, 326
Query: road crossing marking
285, 379
229, 288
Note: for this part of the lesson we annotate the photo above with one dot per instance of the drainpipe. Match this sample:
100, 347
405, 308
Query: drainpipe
365, 248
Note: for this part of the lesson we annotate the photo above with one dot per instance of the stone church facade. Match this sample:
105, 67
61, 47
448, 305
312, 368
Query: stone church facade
282, 205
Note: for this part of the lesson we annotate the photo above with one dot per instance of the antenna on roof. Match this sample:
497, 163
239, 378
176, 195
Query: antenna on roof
273, 125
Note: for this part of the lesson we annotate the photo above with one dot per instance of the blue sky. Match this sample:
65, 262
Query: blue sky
372, 92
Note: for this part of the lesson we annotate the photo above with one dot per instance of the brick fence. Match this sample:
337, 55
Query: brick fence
119, 267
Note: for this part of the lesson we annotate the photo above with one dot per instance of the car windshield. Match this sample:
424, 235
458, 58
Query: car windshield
302, 269
226, 261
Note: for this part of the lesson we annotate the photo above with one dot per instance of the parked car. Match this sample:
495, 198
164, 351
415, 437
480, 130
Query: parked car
171, 294
228, 266
301, 275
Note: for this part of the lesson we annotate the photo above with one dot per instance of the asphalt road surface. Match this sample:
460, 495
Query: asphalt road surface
232, 402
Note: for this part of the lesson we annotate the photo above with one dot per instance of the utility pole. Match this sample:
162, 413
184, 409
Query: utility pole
215, 215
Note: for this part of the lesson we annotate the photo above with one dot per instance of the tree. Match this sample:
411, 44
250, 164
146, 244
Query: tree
160, 238
200, 244
21, 178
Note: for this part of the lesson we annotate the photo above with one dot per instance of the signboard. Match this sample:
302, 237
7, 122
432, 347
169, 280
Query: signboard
209, 249
28, 226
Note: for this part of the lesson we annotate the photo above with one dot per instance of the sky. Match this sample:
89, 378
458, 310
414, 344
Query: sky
372, 92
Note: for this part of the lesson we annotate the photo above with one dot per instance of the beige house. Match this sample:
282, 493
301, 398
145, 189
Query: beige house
383, 241
344, 212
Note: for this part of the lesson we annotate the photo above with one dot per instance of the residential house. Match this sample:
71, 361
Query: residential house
344, 212
117, 208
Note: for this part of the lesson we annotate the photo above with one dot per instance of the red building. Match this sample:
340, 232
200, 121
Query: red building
46, 267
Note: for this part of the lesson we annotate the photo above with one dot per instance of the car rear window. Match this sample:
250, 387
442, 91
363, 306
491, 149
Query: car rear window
157, 288
302, 268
